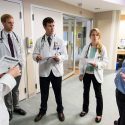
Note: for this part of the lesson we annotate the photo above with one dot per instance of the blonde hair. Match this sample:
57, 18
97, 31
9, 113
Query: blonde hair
5, 17
99, 44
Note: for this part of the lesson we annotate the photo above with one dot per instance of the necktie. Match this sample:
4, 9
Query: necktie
49, 40
11, 45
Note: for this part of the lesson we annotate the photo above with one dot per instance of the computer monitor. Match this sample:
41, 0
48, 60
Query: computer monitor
122, 42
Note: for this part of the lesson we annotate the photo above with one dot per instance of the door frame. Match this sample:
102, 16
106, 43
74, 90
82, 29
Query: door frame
74, 41
22, 37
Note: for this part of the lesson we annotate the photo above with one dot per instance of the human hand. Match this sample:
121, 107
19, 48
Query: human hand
56, 58
80, 77
122, 75
38, 58
93, 64
15, 71
1, 75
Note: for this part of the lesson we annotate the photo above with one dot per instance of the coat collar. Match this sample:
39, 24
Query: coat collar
5, 38
52, 41
88, 51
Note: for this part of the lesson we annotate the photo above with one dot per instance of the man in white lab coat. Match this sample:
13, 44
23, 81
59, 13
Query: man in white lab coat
7, 82
50, 52
10, 45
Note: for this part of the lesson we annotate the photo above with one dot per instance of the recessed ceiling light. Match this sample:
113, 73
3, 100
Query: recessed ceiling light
80, 4
97, 8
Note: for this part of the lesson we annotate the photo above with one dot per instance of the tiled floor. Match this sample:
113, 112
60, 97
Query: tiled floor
72, 90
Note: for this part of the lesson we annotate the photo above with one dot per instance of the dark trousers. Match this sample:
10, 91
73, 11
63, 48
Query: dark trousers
98, 94
120, 98
44, 87
12, 98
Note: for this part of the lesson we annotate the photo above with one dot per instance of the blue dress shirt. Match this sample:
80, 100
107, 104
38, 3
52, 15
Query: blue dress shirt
119, 82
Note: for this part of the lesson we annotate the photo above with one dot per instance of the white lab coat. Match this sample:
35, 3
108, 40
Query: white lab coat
7, 82
101, 62
5, 49
47, 64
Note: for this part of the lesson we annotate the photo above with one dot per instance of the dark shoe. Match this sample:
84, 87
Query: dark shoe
98, 119
10, 115
115, 122
19, 111
82, 114
39, 116
61, 116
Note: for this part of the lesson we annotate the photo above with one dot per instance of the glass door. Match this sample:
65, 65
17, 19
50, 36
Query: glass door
83, 27
76, 36
69, 38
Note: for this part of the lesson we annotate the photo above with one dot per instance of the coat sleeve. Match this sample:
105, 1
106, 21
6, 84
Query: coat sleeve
63, 52
21, 51
36, 49
8, 82
103, 63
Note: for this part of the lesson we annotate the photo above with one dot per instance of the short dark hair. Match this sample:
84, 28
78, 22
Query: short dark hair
47, 20
5, 17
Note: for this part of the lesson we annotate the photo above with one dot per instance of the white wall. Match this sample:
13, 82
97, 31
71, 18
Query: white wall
108, 23
122, 29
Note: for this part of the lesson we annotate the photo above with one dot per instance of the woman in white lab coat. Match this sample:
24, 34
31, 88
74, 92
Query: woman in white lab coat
7, 82
92, 62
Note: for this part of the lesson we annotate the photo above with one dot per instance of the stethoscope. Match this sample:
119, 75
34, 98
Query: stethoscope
43, 41
1, 36
86, 56
55, 47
